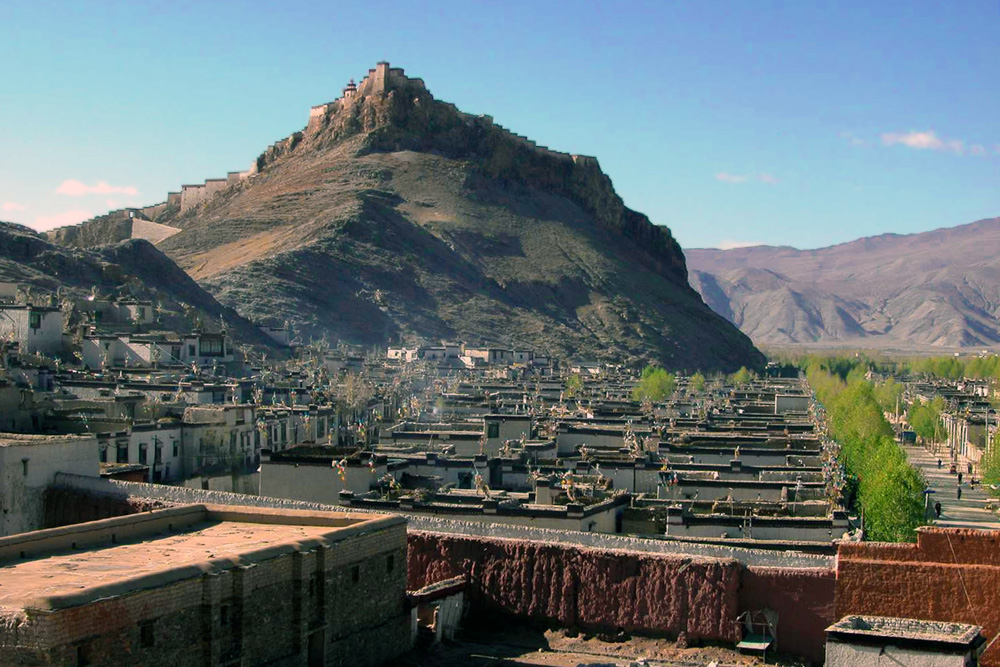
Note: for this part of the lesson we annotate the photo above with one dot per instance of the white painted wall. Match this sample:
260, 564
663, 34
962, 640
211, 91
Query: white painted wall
28, 464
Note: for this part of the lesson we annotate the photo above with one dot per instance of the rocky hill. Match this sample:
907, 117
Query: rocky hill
132, 267
935, 289
395, 217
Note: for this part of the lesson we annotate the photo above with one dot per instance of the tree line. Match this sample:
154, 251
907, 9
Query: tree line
881, 482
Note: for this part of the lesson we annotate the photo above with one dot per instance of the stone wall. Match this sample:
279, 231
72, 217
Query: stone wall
950, 574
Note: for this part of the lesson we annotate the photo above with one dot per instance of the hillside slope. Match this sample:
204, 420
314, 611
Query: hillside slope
935, 289
128, 268
395, 217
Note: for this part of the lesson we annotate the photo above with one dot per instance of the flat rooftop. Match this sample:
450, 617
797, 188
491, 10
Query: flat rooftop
907, 629
75, 565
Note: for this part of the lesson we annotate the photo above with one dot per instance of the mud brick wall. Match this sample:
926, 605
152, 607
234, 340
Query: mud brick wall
65, 507
803, 599
948, 575
585, 587
352, 595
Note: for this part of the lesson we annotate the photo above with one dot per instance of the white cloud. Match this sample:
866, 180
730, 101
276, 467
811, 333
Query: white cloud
44, 223
762, 177
730, 178
13, 206
74, 188
928, 140
977, 149
731, 245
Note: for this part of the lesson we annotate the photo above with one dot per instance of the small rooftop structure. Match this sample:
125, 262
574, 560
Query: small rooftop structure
864, 640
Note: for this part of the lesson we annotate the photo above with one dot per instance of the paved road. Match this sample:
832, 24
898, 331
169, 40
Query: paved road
969, 512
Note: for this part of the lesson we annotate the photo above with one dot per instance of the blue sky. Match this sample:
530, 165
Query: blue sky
788, 123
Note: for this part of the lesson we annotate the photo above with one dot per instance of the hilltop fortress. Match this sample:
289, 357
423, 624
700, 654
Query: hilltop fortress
393, 112
382, 80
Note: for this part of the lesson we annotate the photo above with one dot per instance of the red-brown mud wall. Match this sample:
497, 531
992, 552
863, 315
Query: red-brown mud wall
584, 587
803, 600
949, 575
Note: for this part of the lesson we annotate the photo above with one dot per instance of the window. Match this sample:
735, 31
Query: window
142, 312
35, 320
224, 615
142, 453
83, 655
158, 454
493, 430
390, 563
121, 456
355, 573
211, 347
104, 453
24, 467
191, 350
146, 636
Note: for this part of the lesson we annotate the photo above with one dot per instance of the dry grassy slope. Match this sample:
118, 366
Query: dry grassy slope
405, 243
939, 288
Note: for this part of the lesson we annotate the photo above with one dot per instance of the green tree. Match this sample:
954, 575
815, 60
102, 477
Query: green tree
741, 377
696, 382
656, 384
885, 486
925, 418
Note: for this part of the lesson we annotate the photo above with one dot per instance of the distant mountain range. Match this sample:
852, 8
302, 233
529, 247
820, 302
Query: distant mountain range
935, 289
393, 216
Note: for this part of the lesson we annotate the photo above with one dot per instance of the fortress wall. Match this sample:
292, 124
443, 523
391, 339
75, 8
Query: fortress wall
193, 195
174, 198
154, 210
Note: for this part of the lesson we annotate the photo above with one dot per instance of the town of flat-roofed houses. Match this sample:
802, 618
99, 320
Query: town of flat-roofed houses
415, 390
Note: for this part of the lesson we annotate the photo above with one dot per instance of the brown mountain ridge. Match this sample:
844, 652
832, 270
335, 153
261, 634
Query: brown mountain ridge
936, 289
395, 217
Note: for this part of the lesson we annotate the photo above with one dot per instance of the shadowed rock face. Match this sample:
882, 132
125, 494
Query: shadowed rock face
393, 216
935, 289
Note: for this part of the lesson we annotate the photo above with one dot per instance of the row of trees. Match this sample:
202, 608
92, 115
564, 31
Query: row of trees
882, 483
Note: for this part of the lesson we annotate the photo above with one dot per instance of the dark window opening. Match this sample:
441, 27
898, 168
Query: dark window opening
211, 348
83, 657
355, 574
142, 453
35, 320
390, 563
224, 615
493, 430
146, 636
